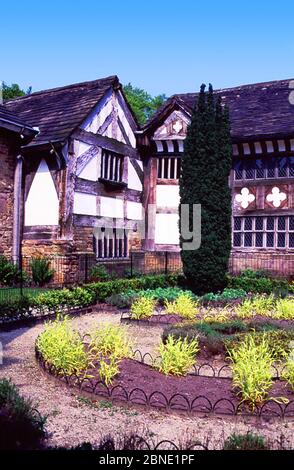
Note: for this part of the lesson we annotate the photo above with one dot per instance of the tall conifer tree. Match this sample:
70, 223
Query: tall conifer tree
205, 169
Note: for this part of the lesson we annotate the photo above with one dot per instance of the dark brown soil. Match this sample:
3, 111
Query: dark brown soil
158, 319
144, 385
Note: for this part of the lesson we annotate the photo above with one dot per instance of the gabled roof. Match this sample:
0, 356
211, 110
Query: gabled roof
257, 110
13, 123
58, 111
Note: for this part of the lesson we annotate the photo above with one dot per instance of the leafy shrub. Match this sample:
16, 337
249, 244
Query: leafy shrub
258, 305
288, 372
278, 340
109, 368
110, 339
41, 271
9, 272
160, 294
226, 296
184, 305
18, 308
177, 356
246, 441
103, 290
251, 369
99, 273
284, 309
21, 426
259, 273
143, 307
55, 299
258, 285
63, 347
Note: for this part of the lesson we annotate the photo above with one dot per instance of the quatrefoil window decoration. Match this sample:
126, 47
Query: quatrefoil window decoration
177, 126
245, 198
276, 197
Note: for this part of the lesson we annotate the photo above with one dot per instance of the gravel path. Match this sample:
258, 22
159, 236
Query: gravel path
73, 420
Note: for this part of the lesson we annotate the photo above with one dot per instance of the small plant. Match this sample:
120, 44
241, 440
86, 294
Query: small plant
109, 368
143, 307
288, 372
252, 370
258, 305
279, 340
41, 271
226, 296
177, 356
99, 273
284, 309
110, 339
9, 272
246, 441
21, 426
63, 347
184, 305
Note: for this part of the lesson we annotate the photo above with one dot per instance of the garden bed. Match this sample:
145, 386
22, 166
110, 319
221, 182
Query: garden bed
156, 319
141, 384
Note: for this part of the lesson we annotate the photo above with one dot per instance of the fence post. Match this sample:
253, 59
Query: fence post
21, 274
131, 253
166, 263
86, 268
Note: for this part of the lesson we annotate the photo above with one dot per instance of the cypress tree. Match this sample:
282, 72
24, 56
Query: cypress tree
205, 169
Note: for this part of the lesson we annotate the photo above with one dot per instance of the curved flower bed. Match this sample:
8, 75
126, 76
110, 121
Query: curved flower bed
140, 384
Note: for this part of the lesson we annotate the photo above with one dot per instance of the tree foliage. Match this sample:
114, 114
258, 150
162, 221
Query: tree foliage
204, 176
12, 91
142, 104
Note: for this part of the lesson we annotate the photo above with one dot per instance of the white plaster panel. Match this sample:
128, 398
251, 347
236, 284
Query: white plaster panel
134, 181
167, 195
90, 171
134, 210
99, 114
111, 207
42, 205
166, 229
85, 204
82, 148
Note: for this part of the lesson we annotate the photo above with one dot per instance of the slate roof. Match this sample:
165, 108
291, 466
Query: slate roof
7, 116
58, 111
257, 110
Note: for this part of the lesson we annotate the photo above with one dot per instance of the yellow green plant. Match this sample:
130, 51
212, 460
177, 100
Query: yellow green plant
252, 370
258, 305
288, 372
177, 356
284, 309
184, 306
217, 315
109, 339
143, 307
109, 368
63, 347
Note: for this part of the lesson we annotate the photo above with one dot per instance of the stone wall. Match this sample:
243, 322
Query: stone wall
7, 162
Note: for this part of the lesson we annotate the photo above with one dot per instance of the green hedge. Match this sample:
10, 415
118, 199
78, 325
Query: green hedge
102, 290
258, 285
84, 296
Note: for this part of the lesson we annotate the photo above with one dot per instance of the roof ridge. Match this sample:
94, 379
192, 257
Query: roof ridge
246, 85
72, 85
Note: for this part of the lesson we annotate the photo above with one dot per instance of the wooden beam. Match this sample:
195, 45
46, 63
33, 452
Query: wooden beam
106, 142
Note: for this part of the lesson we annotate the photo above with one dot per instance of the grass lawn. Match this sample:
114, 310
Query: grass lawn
14, 293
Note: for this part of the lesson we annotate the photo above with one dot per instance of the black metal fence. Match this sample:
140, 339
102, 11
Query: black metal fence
21, 276
279, 265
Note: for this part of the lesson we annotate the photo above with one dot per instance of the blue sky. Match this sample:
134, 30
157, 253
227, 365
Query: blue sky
161, 46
